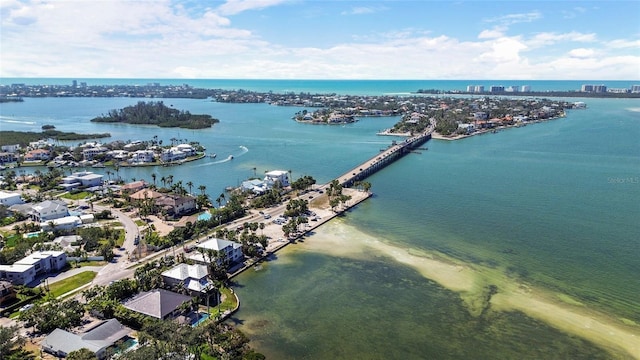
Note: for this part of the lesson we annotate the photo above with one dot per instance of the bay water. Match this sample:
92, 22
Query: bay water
554, 205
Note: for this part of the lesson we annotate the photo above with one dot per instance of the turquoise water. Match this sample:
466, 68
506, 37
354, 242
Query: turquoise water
553, 204
202, 317
204, 216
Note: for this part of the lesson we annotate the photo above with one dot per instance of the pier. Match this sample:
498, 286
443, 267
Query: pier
385, 157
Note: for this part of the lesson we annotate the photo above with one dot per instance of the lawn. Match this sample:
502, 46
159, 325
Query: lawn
77, 196
63, 286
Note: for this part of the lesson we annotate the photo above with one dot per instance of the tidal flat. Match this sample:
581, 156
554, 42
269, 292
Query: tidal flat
435, 306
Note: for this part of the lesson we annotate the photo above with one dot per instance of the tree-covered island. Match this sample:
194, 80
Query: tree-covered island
157, 113
8, 137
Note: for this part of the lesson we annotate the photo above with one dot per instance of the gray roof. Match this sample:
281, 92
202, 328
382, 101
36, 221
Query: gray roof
99, 338
156, 303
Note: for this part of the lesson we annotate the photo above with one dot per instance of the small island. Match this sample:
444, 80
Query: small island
157, 113
8, 137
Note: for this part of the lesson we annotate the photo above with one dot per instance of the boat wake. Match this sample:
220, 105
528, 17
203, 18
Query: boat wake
14, 121
243, 151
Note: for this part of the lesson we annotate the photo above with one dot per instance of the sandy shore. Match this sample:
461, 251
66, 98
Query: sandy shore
471, 281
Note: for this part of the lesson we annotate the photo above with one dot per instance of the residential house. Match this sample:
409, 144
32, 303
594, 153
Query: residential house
177, 205
64, 223
10, 148
172, 154
142, 156
7, 157
192, 277
82, 178
37, 155
7, 292
133, 187
274, 176
97, 340
9, 198
159, 303
24, 271
48, 210
90, 152
229, 250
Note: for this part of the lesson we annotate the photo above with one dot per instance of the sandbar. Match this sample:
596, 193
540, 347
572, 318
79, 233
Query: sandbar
470, 280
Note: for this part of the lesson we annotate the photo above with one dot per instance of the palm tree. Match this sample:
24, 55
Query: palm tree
222, 196
163, 180
202, 189
170, 179
254, 171
190, 185
153, 175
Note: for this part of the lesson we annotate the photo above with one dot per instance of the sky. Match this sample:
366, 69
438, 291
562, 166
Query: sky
321, 39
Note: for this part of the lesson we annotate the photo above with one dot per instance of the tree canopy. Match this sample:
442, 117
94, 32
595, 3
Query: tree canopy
157, 113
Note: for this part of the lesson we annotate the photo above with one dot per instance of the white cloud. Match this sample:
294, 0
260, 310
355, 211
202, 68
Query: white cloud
623, 44
581, 53
511, 19
232, 7
121, 38
549, 38
496, 32
361, 10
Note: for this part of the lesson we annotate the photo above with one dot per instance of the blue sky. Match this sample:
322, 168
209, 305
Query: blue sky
321, 39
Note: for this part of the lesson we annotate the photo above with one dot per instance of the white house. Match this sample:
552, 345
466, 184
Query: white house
172, 154
48, 210
10, 148
192, 277
25, 270
91, 152
64, 223
142, 156
37, 155
232, 251
9, 198
82, 178
274, 176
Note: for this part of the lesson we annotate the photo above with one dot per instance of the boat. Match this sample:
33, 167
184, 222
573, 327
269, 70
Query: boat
230, 157
213, 155
98, 165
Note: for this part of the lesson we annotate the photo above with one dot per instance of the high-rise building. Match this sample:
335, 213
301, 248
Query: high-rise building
586, 88
525, 88
496, 88
635, 89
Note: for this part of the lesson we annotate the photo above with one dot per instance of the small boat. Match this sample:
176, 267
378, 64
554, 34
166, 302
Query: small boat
213, 155
98, 165
230, 157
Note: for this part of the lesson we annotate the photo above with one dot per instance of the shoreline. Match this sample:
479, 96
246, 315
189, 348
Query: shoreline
470, 280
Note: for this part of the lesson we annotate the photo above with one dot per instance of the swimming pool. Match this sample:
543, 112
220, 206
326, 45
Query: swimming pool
204, 216
201, 318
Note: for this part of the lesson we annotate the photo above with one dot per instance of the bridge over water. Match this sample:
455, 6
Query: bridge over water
384, 158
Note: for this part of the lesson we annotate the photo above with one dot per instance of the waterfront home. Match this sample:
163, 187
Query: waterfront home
97, 340
118, 155
133, 187
274, 176
40, 144
142, 156
48, 210
159, 303
10, 148
24, 271
172, 154
254, 185
7, 157
191, 277
227, 250
82, 178
176, 205
10, 198
90, 152
37, 155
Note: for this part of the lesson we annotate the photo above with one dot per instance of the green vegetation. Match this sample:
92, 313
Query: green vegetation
156, 113
25, 137
64, 286
76, 195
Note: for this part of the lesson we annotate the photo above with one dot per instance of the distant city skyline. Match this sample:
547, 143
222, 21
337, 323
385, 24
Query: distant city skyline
304, 39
